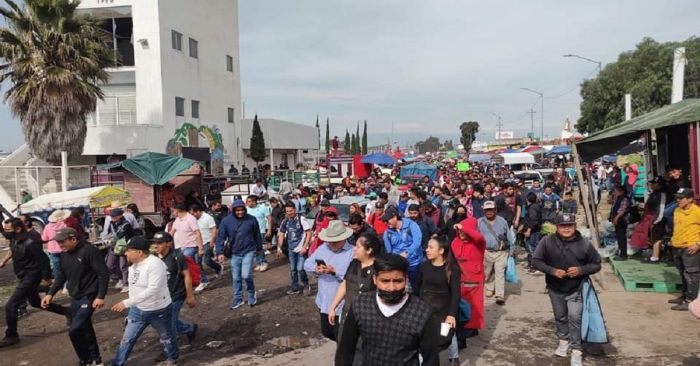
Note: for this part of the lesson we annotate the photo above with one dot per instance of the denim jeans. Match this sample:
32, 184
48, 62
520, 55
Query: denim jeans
296, 268
532, 242
178, 325
453, 349
242, 270
209, 259
137, 321
81, 332
117, 264
193, 252
568, 309
55, 259
260, 257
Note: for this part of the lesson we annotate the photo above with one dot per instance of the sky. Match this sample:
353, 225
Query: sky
427, 66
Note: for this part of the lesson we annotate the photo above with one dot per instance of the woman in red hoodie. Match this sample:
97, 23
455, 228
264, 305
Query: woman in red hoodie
468, 249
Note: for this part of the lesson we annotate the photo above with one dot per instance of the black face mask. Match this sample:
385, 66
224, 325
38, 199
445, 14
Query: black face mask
459, 217
9, 235
391, 297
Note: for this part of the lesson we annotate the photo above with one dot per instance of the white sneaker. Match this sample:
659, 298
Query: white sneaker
576, 358
562, 349
257, 268
263, 267
201, 287
119, 285
124, 290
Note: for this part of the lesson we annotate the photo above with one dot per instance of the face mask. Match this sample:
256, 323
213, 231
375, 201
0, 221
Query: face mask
9, 235
460, 217
391, 297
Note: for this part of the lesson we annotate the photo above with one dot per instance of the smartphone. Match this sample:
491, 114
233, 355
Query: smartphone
320, 262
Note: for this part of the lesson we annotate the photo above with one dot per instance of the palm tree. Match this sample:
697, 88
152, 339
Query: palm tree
54, 60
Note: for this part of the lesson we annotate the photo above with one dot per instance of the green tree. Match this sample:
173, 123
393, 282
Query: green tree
447, 145
468, 132
644, 72
431, 144
257, 142
353, 144
328, 137
358, 141
346, 143
53, 61
364, 139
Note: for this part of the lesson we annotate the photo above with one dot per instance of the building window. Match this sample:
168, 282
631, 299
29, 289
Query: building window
179, 106
229, 63
193, 48
230, 115
177, 40
195, 109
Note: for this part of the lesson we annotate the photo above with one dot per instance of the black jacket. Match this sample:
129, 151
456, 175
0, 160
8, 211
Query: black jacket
533, 217
84, 271
28, 257
554, 253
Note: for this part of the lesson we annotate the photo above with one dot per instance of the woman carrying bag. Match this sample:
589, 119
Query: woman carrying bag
438, 284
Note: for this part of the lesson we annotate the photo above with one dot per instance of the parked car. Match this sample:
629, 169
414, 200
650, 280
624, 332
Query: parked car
528, 176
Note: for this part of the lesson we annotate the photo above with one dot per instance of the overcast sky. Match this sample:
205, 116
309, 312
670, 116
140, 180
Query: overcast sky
429, 65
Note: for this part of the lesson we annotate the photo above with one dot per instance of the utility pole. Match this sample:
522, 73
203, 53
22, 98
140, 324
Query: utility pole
532, 123
498, 125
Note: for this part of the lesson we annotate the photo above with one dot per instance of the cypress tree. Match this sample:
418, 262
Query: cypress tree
328, 138
364, 139
257, 142
346, 143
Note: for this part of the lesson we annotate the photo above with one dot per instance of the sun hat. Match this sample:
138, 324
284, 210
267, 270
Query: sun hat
336, 231
59, 215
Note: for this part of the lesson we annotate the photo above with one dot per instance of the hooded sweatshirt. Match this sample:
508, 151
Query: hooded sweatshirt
243, 233
554, 253
469, 253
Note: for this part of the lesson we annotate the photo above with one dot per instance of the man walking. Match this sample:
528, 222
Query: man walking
149, 303
567, 259
394, 326
686, 246
295, 229
179, 283
85, 274
426, 224
31, 265
500, 243
403, 237
208, 230
263, 214
242, 232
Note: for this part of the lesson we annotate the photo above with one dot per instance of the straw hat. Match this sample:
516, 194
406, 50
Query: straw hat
59, 215
336, 231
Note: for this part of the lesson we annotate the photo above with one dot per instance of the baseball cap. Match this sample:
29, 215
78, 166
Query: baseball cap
379, 205
138, 243
325, 202
332, 210
566, 218
685, 193
116, 212
65, 234
657, 180
162, 237
489, 205
389, 213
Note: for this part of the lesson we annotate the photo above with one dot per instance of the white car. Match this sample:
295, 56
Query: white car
528, 176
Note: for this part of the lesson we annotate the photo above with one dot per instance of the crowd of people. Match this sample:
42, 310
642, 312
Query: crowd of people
402, 279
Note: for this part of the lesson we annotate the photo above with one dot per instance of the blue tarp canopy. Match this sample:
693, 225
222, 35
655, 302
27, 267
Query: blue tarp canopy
378, 158
419, 170
476, 158
559, 150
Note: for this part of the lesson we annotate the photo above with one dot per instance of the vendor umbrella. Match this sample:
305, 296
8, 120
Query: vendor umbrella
378, 158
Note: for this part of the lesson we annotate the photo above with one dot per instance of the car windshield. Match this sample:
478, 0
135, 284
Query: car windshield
527, 176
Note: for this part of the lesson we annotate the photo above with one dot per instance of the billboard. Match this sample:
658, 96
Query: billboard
505, 135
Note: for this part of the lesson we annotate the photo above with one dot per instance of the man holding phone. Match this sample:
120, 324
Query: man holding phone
330, 262
567, 259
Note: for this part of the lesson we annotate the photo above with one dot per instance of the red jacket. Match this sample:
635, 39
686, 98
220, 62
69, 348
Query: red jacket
470, 253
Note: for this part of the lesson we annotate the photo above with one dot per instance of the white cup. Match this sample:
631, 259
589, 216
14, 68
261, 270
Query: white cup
444, 329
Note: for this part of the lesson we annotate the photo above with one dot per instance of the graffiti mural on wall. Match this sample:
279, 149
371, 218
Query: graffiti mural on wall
188, 136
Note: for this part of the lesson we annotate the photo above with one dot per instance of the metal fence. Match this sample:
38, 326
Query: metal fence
38, 180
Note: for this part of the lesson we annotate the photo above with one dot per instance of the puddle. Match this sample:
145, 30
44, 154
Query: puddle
294, 342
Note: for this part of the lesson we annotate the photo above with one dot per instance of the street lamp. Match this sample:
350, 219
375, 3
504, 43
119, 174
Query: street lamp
541, 111
600, 64
498, 137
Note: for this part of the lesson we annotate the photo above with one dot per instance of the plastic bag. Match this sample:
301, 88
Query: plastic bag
511, 271
592, 322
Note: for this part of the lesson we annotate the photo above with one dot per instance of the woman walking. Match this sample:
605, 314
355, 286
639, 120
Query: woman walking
438, 284
468, 250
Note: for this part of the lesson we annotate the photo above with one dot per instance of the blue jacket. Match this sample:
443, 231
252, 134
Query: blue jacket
244, 235
405, 240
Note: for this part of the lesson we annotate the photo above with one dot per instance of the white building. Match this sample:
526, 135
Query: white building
176, 86
287, 143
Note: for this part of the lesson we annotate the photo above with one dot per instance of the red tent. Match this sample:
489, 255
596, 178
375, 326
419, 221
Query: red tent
397, 155
531, 148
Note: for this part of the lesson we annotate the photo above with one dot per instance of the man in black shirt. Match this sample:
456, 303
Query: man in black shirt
85, 273
507, 205
389, 310
179, 282
31, 265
